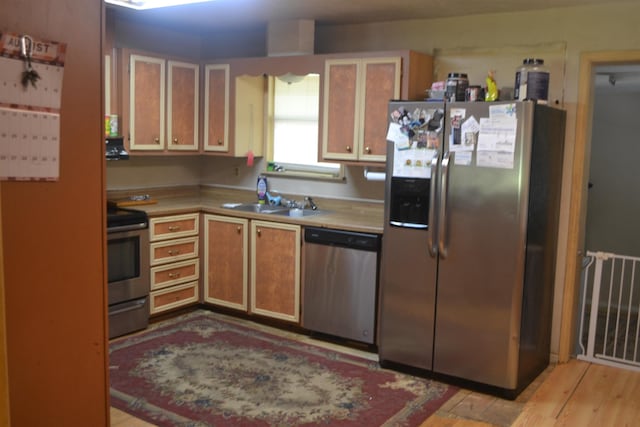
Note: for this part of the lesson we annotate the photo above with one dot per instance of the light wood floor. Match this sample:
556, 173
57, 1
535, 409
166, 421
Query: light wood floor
568, 395
575, 394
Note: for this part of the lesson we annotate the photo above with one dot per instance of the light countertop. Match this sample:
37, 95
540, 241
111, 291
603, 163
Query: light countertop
359, 216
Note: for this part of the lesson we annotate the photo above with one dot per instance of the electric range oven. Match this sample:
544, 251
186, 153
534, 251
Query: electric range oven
127, 270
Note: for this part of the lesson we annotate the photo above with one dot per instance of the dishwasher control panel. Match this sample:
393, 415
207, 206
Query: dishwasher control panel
347, 239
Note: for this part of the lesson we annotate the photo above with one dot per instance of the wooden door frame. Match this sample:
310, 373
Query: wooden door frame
579, 177
4, 368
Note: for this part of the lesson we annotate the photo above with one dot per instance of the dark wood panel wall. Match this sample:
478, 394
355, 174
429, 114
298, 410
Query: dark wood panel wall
54, 239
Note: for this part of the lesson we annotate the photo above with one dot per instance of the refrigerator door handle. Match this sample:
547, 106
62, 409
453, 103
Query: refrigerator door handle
433, 223
444, 196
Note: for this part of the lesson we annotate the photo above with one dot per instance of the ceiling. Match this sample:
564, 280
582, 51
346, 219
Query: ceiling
236, 14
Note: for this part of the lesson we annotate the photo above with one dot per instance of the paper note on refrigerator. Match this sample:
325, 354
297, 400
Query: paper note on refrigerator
497, 134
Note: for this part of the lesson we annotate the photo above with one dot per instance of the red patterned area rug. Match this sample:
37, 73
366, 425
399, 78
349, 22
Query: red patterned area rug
202, 369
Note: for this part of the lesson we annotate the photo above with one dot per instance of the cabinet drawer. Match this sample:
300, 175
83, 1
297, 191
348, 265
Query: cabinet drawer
169, 227
173, 250
174, 297
172, 274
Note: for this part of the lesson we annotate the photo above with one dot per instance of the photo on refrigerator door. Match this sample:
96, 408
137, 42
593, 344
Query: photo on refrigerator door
416, 135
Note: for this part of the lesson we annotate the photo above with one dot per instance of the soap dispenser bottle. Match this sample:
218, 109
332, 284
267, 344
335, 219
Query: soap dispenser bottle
261, 189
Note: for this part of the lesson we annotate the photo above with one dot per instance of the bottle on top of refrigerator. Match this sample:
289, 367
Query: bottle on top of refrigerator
532, 81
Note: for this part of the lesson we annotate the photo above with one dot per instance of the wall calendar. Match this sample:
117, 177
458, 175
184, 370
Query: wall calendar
31, 73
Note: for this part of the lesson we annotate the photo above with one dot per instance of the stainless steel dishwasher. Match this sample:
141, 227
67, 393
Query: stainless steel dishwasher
340, 283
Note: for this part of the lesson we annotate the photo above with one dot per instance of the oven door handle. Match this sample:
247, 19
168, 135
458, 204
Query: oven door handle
130, 227
134, 306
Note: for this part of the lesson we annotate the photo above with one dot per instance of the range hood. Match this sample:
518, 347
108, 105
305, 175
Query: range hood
290, 37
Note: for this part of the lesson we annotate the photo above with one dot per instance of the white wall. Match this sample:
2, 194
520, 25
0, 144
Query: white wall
153, 171
166, 171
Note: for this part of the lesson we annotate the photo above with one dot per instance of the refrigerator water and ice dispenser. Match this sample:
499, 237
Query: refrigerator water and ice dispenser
409, 202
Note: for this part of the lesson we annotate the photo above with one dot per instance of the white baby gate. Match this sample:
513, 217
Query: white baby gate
610, 303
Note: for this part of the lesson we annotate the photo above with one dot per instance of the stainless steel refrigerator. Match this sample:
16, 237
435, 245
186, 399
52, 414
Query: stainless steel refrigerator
472, 197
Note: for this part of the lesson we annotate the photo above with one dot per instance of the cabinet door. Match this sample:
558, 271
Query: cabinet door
248, 116
380, 83
182, 106
275, 267
340, 122
146, 103
216, 107
226, 263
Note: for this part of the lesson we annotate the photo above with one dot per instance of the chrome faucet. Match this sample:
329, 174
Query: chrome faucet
308, 200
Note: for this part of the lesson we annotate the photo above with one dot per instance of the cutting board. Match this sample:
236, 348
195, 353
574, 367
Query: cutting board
123, 203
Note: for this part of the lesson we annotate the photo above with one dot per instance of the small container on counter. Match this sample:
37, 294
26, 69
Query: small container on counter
113, 125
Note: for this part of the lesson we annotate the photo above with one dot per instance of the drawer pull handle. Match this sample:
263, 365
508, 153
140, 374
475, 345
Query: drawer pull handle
174, 275
174, 228
172, 252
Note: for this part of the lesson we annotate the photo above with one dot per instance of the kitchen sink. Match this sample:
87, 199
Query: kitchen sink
301, 212
273, 210
255, 207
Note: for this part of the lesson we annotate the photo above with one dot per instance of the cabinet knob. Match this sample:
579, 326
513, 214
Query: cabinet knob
368, 150
239, 229
348, 148
175, 141
156, 140
219, 142
259, 232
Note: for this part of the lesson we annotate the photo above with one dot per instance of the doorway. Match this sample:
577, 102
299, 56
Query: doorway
607, 330
612, 204
589, 65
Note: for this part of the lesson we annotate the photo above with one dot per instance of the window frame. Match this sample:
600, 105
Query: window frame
293, 170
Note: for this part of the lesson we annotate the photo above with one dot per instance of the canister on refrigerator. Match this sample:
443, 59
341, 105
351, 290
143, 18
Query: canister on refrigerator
532, 81
455, 89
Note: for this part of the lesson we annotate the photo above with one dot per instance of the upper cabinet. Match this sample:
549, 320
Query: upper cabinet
356, 95
216, 107
183, 90
355, 102
162, 104
234, 112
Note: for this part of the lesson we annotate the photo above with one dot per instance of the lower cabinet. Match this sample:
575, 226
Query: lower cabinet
253, 266
175, 266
